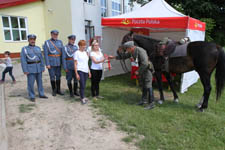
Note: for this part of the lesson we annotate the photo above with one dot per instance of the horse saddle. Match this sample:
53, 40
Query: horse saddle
179, 51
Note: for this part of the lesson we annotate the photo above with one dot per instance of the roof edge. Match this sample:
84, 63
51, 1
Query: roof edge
16, 3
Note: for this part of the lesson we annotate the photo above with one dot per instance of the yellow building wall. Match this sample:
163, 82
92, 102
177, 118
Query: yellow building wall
36, 24
58, 16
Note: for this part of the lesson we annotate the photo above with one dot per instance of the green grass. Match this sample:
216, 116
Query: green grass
167, 127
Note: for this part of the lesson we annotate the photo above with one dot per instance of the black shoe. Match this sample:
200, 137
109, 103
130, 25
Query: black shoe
53, 88
58, 91
45, 97
32, 99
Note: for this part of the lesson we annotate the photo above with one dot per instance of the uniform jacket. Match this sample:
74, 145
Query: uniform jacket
68, 53
49, 49
32, 54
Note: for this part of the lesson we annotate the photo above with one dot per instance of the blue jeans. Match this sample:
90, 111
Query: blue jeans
83, 78
8, 69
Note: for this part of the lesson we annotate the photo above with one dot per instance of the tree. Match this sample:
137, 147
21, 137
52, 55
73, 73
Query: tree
210, 11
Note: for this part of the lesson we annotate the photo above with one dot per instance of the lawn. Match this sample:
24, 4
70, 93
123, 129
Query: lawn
169, 126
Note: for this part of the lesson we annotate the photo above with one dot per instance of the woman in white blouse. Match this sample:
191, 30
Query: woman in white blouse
81, 68
96, 69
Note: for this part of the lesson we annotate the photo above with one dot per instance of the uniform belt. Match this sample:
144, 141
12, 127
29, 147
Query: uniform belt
52, 55
36, 62
69, 58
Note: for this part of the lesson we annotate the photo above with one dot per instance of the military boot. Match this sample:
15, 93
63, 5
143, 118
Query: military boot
75, 87
150, 99
53, 88
58, 91
144, 97
70, 89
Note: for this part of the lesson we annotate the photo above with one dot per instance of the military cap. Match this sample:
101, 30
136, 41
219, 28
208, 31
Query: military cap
31, 36
128, 44
54, 32
164, 41
72, 37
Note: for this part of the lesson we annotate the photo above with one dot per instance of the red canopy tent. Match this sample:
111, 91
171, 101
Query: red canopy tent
161, 20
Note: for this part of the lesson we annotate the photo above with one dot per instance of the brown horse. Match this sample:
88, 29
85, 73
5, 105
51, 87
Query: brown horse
203, 57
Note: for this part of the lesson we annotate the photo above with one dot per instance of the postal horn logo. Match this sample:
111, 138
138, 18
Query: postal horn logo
196, 25
125, 22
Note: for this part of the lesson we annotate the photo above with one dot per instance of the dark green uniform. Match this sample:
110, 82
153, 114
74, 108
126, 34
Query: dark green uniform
141, 57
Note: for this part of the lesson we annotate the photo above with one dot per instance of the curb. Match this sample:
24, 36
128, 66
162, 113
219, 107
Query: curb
3, 129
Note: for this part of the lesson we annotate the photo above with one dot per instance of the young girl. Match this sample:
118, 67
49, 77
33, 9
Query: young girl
96, 69
9, 67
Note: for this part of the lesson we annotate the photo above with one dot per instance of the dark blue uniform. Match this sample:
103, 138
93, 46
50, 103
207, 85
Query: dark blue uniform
68, 65
32, 63
53, 57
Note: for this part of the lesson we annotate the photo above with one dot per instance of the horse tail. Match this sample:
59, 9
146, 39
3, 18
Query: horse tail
220, 72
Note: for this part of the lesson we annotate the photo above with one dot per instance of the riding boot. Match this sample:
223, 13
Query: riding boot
53, 88
150, 99
144, 97
70, 89
58, 91
75, 91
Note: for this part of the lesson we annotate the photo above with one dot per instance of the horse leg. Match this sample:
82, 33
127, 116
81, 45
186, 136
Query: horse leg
158, 75
205, 79
170, 82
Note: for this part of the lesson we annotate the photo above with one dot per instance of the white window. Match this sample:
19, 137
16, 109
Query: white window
89, 1
127, 7
116, 7
104, 8
14, 28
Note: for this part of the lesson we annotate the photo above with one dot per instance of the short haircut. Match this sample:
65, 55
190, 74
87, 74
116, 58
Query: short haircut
7, 52
82, 43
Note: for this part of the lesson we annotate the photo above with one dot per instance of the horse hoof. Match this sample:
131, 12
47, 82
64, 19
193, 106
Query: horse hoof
160, 102
199, 105
176, 100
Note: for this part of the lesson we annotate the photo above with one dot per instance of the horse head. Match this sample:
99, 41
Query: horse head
127, 37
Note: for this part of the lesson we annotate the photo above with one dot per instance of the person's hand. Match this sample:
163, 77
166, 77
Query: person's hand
89, 75
111, 57
103, 59
66, 70
26, 73
48, 67
136, 73
78, 77
43, 71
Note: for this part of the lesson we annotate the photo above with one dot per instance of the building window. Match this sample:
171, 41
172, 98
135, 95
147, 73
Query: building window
127, 7
15, 28
103, 8
89, 1
116, 7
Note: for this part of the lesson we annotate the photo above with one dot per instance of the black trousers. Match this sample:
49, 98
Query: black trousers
8, 69
96, 76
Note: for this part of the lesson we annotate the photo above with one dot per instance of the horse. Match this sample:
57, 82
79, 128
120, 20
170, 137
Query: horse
203, 57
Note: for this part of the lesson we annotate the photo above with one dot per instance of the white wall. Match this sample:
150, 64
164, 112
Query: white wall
77, 17
110, 43
92, 12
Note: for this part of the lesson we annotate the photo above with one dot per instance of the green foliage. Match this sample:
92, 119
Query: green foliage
169, 126
210, 24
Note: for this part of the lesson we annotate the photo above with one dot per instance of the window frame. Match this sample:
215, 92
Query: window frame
11, 28
117, 11
105, 8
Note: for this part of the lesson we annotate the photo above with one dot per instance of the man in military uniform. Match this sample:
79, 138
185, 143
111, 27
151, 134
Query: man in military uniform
140, 56
53, 49
33, 65
68, 64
